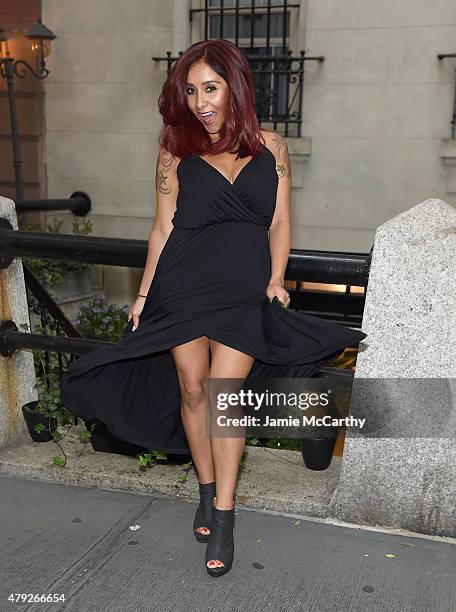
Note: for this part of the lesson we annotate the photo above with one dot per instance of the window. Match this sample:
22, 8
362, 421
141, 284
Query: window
262, 30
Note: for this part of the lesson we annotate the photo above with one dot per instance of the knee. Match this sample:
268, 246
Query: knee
192, 392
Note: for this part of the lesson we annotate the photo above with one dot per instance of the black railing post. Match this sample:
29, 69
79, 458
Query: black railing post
8, 62
79, 203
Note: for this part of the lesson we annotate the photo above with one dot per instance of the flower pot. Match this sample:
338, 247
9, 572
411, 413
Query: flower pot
317, 452
103, 441
33, 417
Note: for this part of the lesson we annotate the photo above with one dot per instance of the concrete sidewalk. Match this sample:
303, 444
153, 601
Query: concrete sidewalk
270, 479
77, 541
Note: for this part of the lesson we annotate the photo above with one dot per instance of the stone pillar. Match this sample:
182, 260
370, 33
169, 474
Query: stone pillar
410, 319
17, 372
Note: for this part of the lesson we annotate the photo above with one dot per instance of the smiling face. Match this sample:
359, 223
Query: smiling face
207, 94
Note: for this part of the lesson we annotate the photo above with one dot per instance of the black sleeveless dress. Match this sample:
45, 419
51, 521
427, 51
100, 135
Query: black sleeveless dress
210, 280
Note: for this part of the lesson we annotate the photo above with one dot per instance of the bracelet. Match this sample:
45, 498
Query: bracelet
144, 296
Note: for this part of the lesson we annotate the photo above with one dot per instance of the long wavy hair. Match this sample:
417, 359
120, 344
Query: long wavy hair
182, 133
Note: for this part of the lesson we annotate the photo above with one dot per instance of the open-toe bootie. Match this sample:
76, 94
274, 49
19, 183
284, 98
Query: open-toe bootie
204, 512
221, 542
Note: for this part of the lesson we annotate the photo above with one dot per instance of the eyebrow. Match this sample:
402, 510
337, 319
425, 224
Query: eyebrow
204, 82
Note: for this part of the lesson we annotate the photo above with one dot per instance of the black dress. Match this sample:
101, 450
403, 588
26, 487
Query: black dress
210, 280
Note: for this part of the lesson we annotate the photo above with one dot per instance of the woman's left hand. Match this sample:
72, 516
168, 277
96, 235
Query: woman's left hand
276, 289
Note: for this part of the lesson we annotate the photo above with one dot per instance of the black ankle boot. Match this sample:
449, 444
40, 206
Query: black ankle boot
204, 512
221, 541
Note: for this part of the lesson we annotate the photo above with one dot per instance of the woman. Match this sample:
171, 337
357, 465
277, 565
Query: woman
212, 302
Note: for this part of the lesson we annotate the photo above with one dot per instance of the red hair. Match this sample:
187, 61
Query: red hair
182, 133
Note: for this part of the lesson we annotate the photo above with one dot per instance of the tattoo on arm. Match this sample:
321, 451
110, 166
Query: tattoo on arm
283, 159
164, 163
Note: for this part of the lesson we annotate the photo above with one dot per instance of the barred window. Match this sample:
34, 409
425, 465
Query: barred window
261, 29
267, 33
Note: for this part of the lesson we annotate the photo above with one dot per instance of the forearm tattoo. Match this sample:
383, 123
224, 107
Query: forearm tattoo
283, 165
164, 163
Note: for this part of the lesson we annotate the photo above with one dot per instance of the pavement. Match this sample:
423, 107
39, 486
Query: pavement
270, 479
72, 532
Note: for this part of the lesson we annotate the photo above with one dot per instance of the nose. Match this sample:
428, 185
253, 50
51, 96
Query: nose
200, 104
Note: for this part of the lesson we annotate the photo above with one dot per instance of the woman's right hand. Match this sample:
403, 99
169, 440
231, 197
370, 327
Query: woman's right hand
135, 311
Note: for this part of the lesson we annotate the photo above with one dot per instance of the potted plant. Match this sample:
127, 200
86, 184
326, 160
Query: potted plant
317, 446
317, 442
40, 423
47, 416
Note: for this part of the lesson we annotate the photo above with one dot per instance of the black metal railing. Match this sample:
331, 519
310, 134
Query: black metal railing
316, 266
279, 88
304, 266
312, 266
79, 203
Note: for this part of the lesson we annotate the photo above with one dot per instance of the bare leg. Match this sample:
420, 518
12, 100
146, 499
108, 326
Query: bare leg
192, 365
227, 362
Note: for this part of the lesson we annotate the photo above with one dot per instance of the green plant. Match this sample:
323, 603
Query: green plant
98, 320
145, 460
51, 272
49, 403
183, 477
153, 457
243, 461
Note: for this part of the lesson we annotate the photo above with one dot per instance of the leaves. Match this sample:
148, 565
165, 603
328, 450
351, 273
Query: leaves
145, 460
51, 272
98, 320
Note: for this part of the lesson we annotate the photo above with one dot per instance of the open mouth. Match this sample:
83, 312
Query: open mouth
207, 118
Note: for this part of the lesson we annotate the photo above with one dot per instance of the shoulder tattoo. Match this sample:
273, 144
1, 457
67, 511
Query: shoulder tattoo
164, 164
282, 158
